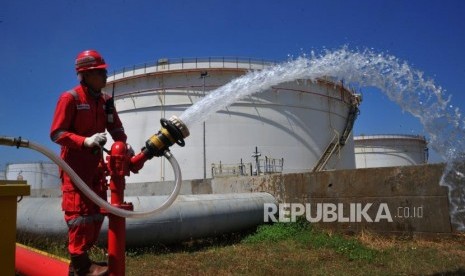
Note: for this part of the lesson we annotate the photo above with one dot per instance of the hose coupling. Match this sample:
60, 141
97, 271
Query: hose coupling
12, 141
173, 131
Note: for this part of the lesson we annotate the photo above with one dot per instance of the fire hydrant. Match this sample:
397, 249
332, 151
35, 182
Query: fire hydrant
120, 163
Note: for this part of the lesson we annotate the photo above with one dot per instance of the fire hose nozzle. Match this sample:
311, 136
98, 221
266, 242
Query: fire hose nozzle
173, 131
180, 126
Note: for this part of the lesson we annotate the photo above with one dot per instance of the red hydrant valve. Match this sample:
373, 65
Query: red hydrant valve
118, 160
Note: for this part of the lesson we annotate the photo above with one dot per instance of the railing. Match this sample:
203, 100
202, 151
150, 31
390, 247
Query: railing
390, 136
327, 154
223, 170
165, 64
354, 111
265, 166
338, 142
270, 165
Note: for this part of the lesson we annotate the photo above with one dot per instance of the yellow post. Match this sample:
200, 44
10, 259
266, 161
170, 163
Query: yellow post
9, 192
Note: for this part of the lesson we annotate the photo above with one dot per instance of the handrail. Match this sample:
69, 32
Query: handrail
166, 62
220, 170
330, 149
390, 136
352, 116
339, 143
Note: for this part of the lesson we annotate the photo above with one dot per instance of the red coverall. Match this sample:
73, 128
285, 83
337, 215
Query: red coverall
78, 115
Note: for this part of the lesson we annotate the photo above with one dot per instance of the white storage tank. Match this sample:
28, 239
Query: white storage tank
290, 125
39, 175
390, 150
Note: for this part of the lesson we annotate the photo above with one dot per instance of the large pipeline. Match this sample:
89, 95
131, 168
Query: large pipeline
190, 216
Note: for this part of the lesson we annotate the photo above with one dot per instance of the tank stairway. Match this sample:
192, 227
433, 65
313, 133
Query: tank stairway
336, 144
353, 113
330, 149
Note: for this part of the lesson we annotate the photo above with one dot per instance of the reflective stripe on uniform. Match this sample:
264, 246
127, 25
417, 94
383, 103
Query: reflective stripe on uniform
74, 94
85, 220
57, 133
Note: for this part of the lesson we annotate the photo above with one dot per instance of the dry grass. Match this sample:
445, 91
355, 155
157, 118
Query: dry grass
306, 252
301, 256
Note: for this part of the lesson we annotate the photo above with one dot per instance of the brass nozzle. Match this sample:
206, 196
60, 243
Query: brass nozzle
172, 131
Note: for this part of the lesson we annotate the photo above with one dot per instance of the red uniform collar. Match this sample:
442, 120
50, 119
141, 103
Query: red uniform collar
89, 92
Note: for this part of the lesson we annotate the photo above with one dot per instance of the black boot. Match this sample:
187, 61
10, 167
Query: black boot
71, 270
81, 265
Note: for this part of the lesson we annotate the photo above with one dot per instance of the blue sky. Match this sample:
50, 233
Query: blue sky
40, 39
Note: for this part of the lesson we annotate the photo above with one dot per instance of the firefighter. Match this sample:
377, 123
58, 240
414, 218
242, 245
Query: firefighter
82, 117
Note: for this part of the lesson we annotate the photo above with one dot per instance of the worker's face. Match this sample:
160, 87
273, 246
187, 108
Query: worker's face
96, 79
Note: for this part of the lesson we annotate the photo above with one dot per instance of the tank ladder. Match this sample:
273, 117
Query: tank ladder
330, 149
337, 143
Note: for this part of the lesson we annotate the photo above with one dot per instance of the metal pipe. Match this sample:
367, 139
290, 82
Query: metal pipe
30, 261
190, 216
203, 75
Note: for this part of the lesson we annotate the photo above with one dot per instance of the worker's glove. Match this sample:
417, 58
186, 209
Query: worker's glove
130, 150
96, 140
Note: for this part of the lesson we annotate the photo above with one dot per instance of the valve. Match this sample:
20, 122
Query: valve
173, 131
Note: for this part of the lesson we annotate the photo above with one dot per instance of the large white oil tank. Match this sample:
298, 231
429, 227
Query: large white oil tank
390, 150
293, 123
39, 175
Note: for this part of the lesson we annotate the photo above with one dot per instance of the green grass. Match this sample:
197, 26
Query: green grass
278, 232
302, 233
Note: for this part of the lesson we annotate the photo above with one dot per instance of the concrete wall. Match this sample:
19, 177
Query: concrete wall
416, 202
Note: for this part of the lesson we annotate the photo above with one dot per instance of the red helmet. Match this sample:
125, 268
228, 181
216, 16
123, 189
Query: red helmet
88, 60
